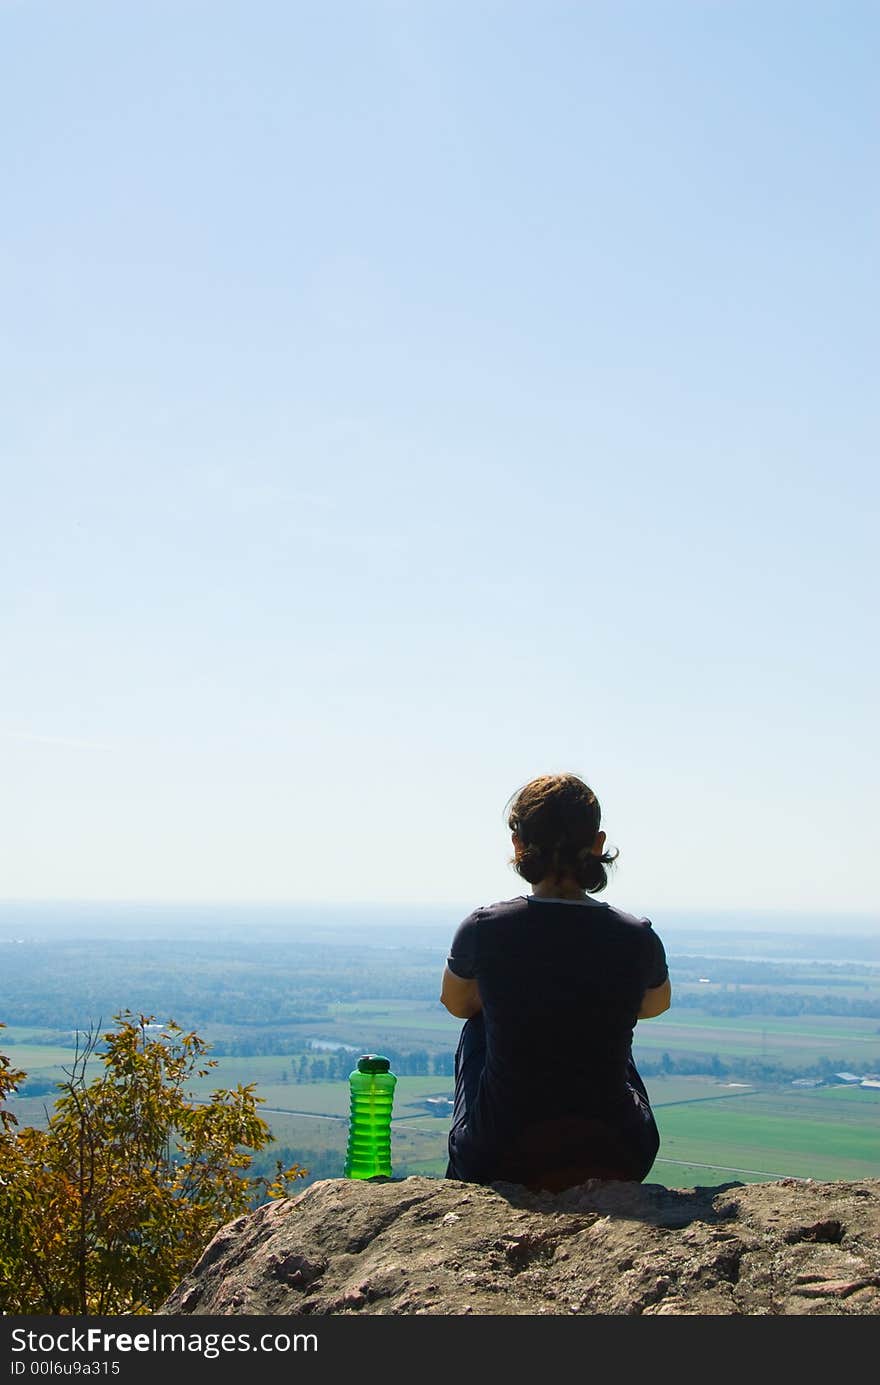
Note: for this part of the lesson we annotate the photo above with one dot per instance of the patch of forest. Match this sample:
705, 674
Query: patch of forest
258, 996
254, 985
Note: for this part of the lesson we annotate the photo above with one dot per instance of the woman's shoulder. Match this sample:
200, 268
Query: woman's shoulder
612, 914
501, 908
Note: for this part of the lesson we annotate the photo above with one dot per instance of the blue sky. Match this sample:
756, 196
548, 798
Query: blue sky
402, 400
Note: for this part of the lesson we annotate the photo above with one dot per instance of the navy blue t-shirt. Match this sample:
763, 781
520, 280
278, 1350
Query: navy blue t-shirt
561, 984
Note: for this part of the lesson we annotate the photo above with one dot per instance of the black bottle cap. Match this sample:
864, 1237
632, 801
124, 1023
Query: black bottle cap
374, 1062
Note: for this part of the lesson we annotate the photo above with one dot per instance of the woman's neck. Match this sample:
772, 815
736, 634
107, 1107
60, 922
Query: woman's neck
551, 888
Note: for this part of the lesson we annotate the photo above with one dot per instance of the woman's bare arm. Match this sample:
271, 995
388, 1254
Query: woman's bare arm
655, 1000
461, 997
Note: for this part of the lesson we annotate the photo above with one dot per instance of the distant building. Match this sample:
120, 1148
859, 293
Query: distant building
438, 1105
848, 1076
873, 1082
808, 1082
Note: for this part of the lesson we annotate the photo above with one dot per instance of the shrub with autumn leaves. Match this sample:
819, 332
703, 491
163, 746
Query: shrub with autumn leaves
109, 1207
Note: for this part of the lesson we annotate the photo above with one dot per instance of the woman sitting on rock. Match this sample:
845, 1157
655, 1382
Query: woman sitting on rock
551, 985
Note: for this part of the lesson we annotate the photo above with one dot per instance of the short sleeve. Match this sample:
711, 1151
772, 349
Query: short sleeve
462, 960
656, 966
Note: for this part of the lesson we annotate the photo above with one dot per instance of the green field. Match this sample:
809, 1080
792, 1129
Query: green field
712, 1130
822, 1133
39, 1060
371, 1025
805, 1038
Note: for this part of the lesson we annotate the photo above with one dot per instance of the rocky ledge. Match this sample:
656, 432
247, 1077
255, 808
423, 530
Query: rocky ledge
432, 1246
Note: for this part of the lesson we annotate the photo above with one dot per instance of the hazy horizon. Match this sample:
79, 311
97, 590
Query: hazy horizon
132, 915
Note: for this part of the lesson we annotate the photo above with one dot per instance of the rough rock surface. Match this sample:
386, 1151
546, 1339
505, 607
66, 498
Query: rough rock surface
435, 1246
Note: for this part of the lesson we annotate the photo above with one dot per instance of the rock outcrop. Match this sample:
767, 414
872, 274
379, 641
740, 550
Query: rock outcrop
435, 1246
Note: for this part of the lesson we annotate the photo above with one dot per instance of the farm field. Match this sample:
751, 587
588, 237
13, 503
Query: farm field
711, 1132
313, 1118
805, 1038
38, 1060
290, 1012
788, 1027
369, 1025
804, 981
355, 1022
802, 1039
826, 1133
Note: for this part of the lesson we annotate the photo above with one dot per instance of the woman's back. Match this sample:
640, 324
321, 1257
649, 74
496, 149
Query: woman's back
561, 984
552, 985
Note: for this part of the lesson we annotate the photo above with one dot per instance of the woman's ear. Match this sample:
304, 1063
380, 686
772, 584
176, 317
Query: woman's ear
599, 844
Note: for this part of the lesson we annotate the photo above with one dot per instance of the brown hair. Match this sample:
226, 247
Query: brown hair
556, 817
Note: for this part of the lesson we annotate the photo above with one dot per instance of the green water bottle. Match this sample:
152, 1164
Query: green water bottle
369, 1131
